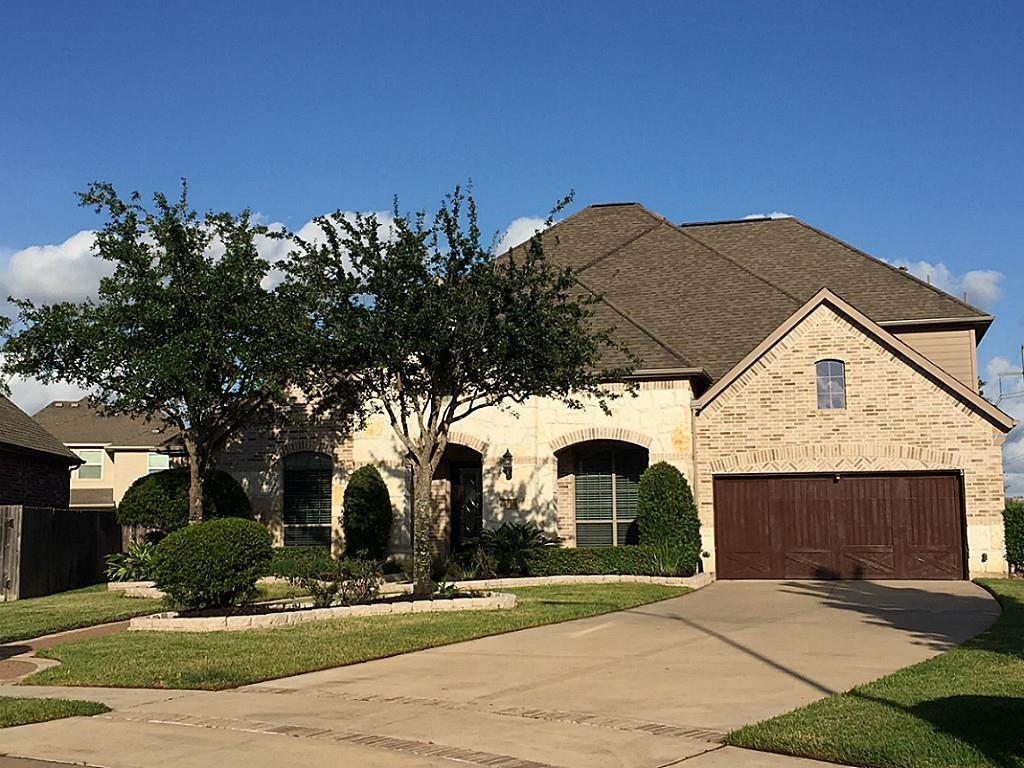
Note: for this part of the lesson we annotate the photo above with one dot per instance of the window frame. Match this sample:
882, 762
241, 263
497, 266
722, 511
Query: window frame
78, 470
827, 376
150, 470
615, 521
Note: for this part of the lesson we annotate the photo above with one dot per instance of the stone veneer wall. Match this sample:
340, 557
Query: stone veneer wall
896, 419
658, 418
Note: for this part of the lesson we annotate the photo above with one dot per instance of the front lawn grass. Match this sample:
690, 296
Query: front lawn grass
962, 709
24, 711
36, 616
228, 659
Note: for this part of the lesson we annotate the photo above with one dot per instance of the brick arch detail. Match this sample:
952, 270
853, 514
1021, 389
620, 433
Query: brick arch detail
303, 444
600, 433
847, 457
469, 441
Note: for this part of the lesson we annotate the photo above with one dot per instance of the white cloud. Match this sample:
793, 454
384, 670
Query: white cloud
981, 285
51, 273
31, 395
519, 231
772, 215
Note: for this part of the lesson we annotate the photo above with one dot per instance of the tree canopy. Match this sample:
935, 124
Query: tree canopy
186, 328
445, 328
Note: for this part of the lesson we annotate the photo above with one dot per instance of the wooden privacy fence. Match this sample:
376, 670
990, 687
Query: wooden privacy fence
44, 550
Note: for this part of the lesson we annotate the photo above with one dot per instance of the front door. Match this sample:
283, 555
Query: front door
467, 503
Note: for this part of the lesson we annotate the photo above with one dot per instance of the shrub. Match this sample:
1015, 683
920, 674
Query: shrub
136, 564
367, 518
212, 564
633, 560
503, 551
1013, 522
286, 562
347, 581
667, 516
159, 502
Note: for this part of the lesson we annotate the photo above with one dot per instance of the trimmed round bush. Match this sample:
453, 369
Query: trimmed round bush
213, 564
1013, 522
666, 515
159, 502
367, 518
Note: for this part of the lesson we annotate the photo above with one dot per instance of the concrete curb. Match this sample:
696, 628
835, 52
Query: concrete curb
173, 622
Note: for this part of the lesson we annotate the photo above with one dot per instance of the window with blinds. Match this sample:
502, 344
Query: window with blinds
607, 479
307, 499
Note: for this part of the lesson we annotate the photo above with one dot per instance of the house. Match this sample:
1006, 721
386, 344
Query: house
34, 466
114, 451
823, 404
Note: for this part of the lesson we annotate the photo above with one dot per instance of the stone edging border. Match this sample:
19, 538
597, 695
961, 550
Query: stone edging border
172, 622
693, 582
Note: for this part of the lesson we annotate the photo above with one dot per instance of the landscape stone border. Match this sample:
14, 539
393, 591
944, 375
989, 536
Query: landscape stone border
174, 622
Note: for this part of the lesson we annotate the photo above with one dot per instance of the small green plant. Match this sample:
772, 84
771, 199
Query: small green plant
505, 550
667, 516
1013, 523
214, 564
367, 518
134, 564
446, 589
337, 582
159, 502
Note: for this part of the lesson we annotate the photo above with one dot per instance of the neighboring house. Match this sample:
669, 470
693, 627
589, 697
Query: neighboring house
34, 465
823, 404
114, 450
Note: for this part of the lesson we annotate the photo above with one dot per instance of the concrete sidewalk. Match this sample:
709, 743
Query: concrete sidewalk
649, 687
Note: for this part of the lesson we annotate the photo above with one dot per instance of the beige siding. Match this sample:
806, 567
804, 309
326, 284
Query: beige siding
952, 350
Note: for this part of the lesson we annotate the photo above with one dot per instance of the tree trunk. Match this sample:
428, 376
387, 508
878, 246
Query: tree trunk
195, 484
422, 526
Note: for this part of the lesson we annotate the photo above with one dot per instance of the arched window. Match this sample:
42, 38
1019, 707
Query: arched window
831, 375
307, 499
607, 477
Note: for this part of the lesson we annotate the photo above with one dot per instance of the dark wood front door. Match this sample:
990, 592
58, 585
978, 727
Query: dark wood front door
467, 503
885, 526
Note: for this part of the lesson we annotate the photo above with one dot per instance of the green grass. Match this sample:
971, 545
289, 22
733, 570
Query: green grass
228, 659
24, 711
35, 616
962, 709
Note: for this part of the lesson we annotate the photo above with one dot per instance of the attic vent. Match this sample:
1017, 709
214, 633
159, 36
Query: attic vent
58, 405
74, 405
903, 268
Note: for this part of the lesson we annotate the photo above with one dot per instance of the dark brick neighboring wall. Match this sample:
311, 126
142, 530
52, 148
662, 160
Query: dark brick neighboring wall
34, 480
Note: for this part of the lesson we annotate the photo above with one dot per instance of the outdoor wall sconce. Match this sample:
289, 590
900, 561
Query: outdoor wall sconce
506, 464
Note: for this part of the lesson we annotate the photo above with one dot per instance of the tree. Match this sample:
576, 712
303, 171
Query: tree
367, 518
183, 330
447, 329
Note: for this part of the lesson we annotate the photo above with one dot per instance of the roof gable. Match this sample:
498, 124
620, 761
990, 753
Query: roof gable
825, 297
19, 431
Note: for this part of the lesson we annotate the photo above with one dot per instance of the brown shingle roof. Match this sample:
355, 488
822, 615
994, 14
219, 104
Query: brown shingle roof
703, 296
19, 431
75, 422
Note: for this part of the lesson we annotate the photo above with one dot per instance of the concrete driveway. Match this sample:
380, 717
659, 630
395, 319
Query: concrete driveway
652, 686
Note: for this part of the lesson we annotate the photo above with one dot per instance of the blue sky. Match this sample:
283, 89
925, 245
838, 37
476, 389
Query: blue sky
895, 126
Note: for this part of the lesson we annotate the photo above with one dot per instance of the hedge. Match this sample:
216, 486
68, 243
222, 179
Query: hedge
634, 560
367, 518
159, 501
290, 562
667, 516
1013, 522
212, 564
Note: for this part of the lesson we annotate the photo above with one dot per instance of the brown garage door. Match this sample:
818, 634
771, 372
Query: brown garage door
888, 526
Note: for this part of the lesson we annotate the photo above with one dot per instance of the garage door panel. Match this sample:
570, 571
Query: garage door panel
845, 526
744, 538
867, 562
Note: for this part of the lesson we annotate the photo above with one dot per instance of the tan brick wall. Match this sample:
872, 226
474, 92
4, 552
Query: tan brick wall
895, 419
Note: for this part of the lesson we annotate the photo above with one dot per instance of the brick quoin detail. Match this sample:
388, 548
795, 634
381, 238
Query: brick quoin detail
461, 438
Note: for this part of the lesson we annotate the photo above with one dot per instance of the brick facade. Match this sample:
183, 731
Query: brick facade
896, 418
34, 480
